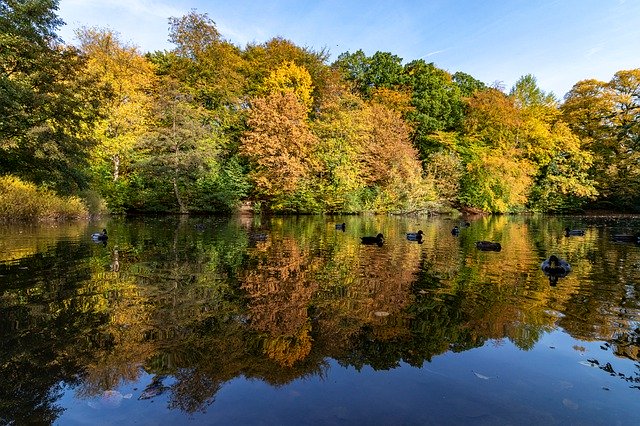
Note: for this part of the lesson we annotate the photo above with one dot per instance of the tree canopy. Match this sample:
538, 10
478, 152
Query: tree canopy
208, 125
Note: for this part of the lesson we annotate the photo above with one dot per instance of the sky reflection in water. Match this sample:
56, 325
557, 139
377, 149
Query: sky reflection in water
292, 321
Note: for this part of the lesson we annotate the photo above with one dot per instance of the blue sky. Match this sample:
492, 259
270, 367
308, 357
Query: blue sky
558, 41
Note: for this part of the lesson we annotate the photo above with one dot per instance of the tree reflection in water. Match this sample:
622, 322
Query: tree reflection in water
194, 310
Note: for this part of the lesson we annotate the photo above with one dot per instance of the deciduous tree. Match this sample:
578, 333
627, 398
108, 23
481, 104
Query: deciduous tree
279, 146
46, 104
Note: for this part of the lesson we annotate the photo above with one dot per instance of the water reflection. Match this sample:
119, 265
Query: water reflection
173, 309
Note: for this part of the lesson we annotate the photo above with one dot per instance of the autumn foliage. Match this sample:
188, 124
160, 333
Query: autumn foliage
209, 125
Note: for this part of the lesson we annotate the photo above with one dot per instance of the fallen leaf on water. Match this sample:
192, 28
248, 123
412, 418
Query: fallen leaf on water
381, 314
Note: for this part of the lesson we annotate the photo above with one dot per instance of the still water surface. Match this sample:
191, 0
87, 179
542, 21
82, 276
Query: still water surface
288, 320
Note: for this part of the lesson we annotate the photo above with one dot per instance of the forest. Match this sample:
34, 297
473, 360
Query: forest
209, 126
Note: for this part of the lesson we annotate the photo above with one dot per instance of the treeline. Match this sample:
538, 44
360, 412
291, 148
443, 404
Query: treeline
209, 125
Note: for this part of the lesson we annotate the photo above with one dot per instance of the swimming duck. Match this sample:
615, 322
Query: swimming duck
415, 236
455, 231
575, 232
378, 239
626, 238
341, 226
100, 236
555, 266
488, 246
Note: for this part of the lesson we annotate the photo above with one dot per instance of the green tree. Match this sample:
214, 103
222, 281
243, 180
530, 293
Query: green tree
46, 105
174, 153
382, 70
527, 94
467, 83
209, 65
437, 101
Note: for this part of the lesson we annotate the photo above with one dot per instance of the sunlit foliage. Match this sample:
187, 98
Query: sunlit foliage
274, 124
24, 201
290, 78
606, 116
279, 145
126, 78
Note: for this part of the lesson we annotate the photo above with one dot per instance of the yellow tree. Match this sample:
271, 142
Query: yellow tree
561, 164
262, 59
290, 77
341, 128
497, 178
606, 116
367, 159
128, 79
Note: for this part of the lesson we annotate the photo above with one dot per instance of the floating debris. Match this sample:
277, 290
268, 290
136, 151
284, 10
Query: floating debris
381, 314
482, 376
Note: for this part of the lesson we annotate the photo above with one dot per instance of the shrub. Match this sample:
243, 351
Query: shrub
24, 201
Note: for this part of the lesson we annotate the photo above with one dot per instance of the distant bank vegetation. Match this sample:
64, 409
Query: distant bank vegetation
210, 125
23, 201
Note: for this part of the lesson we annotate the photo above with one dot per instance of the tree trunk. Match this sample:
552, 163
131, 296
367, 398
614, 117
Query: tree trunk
116, 167
183, 209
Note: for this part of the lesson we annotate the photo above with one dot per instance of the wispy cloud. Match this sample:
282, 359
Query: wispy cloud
435, 52
594, 50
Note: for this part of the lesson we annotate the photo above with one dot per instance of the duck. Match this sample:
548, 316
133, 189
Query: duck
378, 239
488, 246
100, 236
341, 226
455, 231
415, 236
555, 266
573, 232
626, 238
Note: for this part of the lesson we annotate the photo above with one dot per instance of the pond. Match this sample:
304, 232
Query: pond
291, 320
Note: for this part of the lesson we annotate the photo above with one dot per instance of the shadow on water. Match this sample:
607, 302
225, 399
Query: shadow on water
174, 310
